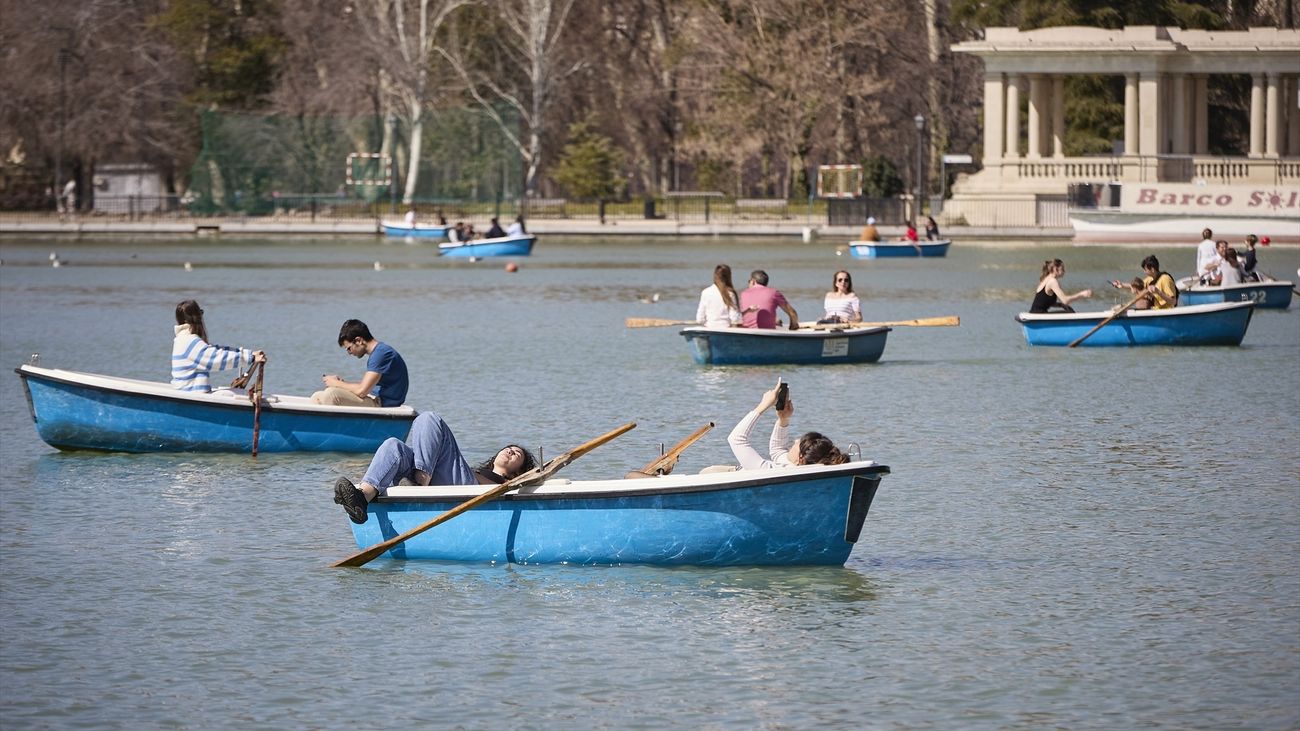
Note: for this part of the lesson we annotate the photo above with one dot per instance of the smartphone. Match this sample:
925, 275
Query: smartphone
782, 391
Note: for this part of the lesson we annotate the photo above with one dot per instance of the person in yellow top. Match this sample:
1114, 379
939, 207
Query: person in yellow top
1159, 285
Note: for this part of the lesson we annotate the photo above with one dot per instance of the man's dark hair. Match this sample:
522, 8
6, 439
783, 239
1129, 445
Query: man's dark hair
1151, 262
353, 329
759, 276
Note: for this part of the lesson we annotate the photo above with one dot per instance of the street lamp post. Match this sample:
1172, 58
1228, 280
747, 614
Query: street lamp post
920, 158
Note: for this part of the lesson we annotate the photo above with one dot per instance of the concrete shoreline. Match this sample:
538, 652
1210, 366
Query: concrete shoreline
88, 225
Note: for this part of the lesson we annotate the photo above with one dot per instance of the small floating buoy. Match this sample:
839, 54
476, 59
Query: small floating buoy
512, 267
56, 263
473, 259
189, 267
54, 256
379, 267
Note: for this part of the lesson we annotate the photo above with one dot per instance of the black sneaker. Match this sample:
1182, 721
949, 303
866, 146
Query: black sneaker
352, 499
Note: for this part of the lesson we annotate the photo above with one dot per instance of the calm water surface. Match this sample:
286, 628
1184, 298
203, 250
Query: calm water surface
1094, 538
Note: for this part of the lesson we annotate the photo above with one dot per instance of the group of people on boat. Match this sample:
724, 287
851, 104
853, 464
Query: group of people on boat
757, 305
1217, 265
384, 383
463, 231
432, 456
871, 233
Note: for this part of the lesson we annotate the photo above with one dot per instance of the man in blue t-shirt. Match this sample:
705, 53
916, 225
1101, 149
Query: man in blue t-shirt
385, 381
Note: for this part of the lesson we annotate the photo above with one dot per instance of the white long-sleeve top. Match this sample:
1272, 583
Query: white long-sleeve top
714, 311
193, 360
747, 456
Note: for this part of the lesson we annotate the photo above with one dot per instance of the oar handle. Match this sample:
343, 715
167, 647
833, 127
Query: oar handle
364, 557
669, 459
1105, 322
655, 322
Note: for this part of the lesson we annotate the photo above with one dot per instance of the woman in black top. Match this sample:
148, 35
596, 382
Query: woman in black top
1049, 293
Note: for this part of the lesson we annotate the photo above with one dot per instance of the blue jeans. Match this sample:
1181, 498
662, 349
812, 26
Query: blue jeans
432, 449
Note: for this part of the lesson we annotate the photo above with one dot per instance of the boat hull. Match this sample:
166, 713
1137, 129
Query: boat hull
748, 346
83, 411
798, 516
418, 231
894, 249
1216, 324
507, 246
1265, 295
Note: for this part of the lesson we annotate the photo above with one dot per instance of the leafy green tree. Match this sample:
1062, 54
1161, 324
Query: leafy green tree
589, 165
233, 46
880, 178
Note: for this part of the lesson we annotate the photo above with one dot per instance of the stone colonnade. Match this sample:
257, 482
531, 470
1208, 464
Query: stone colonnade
1163, 114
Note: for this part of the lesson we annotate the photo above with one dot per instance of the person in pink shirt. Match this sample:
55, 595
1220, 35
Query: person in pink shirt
759, 302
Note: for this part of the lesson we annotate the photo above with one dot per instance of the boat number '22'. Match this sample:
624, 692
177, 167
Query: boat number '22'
1258, 296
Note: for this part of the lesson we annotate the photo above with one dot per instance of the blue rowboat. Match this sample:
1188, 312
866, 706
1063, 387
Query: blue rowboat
889, 249
75, 410
797, 516
1271, 295
521, 245
1218, 324
419, 230
750, 346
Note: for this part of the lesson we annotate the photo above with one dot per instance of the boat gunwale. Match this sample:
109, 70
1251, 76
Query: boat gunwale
803, 332
1212, 288
453, 245
1180, 311
388, 413
561, 489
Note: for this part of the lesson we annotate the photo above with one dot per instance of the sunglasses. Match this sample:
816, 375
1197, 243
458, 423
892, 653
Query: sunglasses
841, 279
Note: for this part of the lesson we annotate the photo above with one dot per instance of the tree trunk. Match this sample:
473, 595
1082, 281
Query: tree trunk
413, 165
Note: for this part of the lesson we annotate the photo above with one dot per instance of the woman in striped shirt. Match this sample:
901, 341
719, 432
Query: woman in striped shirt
194, 359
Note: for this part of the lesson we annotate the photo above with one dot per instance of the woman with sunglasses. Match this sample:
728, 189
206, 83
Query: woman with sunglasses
431, 457
841, 304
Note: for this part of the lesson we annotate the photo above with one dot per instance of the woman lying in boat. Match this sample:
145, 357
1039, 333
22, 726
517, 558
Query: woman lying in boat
432, 457
1049, 293
811, 448
194, 359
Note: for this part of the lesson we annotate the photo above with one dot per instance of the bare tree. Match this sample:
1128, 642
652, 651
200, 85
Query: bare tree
402, 36
520, 68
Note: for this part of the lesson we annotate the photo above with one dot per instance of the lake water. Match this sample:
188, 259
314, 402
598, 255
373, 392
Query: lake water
1092, 538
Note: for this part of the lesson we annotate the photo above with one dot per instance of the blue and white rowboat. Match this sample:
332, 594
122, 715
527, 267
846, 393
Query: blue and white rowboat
75, 410
521, 245
1270, 295
751, 346
806, 515
419, 230
890, 249
1217, 324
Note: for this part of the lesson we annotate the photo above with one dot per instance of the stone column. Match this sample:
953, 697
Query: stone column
1036, 109
1013, 117
1058, 116
1272, 117
1131, 115
1201, 103
1178, 114
1293, 118
1149, 113
994, 124
1257, 116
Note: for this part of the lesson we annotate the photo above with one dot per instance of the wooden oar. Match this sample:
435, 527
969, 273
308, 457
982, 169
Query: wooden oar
1103, 323
947, 321
530, 477
256, 396
668, 461
655, 322
1272, 278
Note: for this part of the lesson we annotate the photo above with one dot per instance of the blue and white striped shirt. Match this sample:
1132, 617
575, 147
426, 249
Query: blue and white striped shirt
194, 360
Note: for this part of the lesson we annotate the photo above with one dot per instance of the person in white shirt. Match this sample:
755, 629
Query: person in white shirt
811, 448
516, 228
719, 303
1230, 272
841, 304
1207, 257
